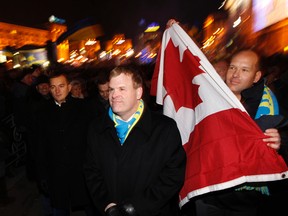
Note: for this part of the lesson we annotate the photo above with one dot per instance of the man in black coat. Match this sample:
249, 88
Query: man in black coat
135, 159
61, 131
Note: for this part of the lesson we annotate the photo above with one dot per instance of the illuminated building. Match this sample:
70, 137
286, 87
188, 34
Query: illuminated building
22, 46
14, 37
79, 45
17, 36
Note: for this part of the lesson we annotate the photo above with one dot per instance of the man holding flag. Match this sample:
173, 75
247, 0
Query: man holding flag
225, 148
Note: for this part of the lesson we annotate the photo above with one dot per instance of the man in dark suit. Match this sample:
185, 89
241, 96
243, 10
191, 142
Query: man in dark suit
61, 130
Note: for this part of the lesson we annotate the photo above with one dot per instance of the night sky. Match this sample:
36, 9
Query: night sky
123, 16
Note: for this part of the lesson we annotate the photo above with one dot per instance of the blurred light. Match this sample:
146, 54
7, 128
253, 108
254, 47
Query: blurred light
116, 52
138, 55
141, 22
54, 19
129, 53
208, 21
79, 57
46, 64
237, 22
218, 31
3, 58
120, 42
90, 42
17, 66
84, 59
222, 4
13, 31
229, 43
152, 55
102, 54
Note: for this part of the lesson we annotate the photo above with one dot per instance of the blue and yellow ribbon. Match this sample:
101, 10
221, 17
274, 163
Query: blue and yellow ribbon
268, 104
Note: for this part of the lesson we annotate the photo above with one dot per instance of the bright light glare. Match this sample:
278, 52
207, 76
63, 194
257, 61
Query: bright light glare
237, 22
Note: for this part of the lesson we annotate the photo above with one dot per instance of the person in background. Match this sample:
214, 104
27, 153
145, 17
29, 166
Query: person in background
40, 94
61, 135
77, 89
99, 101
5, 138
221, 67
135, 163
103, 89
39, 98
42, 87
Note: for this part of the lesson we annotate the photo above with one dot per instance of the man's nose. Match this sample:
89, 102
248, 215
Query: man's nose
236, 72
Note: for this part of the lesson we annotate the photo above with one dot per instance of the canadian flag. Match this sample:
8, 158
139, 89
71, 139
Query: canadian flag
223, 144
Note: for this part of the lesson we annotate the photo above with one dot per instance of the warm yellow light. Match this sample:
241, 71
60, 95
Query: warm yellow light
208, 21
138, 55
116, 52
130, 52
102, 54
13, 31
90, 42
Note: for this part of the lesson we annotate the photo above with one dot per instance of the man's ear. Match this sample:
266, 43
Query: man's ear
139, 93
257, 76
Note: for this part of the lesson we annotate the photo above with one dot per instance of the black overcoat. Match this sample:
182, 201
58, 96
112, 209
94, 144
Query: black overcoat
147, 170
62, 145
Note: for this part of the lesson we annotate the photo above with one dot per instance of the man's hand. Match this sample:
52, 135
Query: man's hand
274, 139
113, 211
171, 22
126, 209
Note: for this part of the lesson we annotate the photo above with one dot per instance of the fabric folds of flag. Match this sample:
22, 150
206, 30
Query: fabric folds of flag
223, 144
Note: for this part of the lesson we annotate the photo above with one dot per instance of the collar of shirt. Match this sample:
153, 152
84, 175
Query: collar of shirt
59, 104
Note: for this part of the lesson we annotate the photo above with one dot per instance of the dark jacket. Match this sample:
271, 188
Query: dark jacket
62, 139
147, 170
98, 106
251, 98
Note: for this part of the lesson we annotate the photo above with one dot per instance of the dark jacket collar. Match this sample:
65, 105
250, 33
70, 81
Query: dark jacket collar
252, 96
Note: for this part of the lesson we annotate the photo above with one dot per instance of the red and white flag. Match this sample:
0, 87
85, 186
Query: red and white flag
223, 144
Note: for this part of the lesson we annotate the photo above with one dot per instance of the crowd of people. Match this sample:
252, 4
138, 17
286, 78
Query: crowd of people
96, 141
